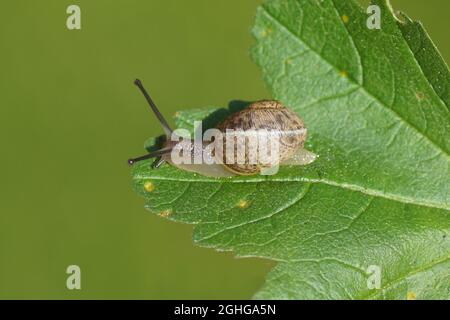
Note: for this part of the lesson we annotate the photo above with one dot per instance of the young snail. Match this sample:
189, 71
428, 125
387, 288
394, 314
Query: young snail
265, 115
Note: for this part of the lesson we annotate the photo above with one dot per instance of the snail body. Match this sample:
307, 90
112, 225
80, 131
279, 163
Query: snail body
269, 117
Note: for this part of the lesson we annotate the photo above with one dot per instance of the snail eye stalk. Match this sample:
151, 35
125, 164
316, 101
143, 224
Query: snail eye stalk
168, 131
158, 114
150, 155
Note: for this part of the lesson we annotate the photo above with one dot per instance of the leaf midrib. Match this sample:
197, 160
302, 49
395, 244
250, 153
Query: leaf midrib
351, 187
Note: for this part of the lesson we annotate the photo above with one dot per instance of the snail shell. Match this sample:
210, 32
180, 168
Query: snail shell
270, 115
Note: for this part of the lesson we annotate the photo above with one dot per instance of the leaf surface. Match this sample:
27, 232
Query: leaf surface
376, 105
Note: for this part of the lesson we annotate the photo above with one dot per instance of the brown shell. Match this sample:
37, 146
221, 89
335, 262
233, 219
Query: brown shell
270, 115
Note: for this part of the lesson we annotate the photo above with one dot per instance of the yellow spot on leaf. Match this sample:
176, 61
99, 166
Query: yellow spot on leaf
243, 204
149, 186
343, 74
420, 95
345, 19
411, 296
165, 213
266, 32
177, 114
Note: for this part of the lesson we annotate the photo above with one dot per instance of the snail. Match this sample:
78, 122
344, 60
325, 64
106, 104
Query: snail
268, 116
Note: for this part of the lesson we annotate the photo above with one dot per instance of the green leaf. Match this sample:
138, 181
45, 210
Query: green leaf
376, 104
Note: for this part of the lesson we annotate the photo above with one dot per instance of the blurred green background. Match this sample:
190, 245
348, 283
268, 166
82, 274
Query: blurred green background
70, 117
